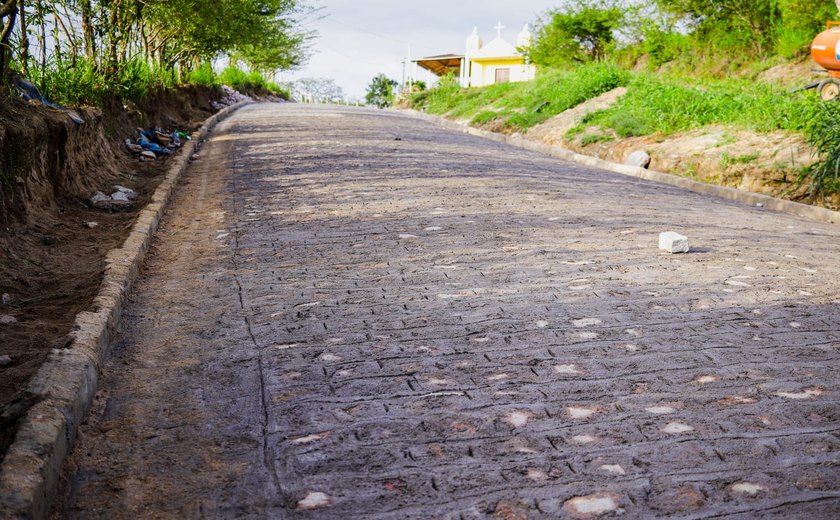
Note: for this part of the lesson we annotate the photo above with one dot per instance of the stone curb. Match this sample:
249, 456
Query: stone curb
65, 385
746, 197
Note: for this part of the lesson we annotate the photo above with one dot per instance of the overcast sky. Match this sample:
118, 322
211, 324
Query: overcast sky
359, 39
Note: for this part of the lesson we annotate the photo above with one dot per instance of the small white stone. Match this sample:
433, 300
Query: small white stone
748, 488
673, 242
615, 469
592, 505
5, 360
310, 438
313, 500
676, 428
587, 335
567, 369
586, 322
707, 379
541, 324
584, 439
330, 357
807, 394
580, 412
517, 419
536, 474
497, 377
7, 319
660, 410
407, 235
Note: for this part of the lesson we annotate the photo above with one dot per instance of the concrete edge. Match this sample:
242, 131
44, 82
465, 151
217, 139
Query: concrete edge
66, 383
745, 197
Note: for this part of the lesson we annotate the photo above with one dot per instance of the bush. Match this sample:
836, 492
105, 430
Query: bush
823, 134
576, 33
203, 76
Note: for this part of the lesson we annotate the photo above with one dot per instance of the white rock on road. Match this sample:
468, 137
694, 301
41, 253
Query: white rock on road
673, 242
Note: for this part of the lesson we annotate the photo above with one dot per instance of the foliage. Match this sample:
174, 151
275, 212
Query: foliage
823, 134
576, 33
322, 90
667, 106
203, 75
84, 49
522, 105
380, 92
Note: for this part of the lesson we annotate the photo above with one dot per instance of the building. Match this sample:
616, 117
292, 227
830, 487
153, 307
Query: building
498, 61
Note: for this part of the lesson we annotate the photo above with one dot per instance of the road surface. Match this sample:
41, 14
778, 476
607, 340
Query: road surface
351, 313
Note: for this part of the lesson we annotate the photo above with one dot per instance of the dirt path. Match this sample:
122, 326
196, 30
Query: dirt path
356, 314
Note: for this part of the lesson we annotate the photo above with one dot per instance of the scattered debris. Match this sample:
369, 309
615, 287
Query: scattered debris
128, 192
673, 242
638, 158
153, 142
230, 97
119, 200
30, 93
5, 360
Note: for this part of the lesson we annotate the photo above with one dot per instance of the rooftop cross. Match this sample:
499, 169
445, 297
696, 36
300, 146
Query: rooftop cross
499, 28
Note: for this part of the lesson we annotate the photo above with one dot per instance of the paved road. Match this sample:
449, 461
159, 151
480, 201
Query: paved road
357, 314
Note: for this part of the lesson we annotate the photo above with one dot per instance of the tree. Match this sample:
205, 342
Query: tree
321, 90
576, 33
380, 92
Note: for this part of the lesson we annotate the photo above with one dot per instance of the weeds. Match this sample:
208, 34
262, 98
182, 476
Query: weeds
823, 134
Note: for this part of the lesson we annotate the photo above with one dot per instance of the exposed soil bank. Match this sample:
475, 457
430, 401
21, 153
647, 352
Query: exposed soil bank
52, 242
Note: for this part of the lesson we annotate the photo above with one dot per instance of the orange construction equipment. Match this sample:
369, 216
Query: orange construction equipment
825, 49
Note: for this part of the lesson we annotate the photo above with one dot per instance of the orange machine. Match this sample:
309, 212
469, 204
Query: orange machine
825, 49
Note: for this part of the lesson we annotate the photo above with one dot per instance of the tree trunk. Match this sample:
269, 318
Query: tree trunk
23, 52
8, 10
87, 30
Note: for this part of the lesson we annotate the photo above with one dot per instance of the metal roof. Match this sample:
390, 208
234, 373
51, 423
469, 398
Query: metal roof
441, 65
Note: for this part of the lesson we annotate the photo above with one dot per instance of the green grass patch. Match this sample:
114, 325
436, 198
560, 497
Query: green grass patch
522, 105
664, 105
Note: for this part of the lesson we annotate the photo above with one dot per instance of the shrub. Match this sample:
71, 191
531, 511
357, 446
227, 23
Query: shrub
823, 134
203, 75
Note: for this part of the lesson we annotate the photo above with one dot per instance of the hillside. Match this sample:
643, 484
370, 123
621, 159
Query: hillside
749, 131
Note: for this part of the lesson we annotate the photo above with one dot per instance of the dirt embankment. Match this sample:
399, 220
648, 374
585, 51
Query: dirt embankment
767, 163
52, 241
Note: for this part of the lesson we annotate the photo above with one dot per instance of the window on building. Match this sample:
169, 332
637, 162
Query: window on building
502, 75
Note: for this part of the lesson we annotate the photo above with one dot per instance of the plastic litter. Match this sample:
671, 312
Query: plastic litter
152, 142
30, 92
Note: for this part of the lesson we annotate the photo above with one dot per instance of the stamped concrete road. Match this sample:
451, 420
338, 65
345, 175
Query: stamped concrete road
357, 314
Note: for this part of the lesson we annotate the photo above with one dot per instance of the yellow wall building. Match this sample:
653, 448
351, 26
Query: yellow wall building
498, 61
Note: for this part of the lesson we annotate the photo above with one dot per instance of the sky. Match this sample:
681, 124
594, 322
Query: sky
359, 39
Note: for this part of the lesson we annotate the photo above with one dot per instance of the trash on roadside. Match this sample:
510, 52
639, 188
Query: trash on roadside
153, 142
29, 92
229, 97
122, 198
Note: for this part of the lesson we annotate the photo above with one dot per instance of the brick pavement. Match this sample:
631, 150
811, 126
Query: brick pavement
446, 327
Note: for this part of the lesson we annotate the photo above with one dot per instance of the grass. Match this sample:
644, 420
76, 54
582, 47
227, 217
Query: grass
84, 84
522, 105
654, 104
